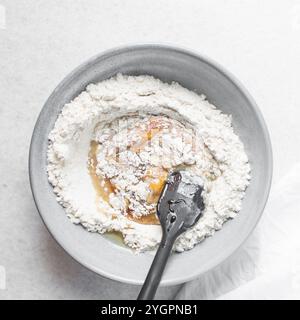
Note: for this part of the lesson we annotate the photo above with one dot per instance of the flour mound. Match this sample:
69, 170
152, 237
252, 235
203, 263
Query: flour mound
185, 131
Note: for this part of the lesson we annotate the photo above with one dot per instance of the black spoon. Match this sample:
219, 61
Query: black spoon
179, 208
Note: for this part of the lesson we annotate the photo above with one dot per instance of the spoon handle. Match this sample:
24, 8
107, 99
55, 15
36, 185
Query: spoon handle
157, 268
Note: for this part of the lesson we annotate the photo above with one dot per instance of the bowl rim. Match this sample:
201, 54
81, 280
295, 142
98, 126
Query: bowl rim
211, 63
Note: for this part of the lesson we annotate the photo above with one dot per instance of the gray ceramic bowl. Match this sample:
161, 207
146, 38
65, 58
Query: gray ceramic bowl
100, 253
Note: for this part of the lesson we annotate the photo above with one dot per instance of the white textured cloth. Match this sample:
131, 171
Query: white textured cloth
267, 266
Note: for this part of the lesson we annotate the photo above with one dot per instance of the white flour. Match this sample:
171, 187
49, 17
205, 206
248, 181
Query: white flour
186, 131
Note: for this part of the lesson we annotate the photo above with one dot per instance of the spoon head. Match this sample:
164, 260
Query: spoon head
181, 203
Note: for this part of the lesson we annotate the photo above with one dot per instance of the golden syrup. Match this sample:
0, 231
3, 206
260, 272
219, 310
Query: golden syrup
148, 219
116, 237
104, 187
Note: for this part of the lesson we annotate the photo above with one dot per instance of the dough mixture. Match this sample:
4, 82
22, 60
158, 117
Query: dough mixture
113, 146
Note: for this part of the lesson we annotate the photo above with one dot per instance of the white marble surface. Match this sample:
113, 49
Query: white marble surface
41, 41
